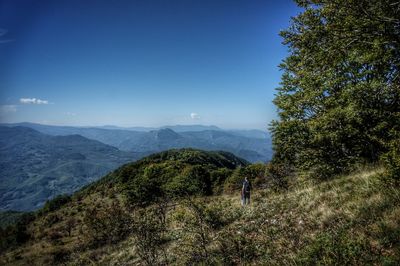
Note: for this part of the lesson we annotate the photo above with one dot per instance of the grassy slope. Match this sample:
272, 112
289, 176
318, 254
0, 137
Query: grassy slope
349, 220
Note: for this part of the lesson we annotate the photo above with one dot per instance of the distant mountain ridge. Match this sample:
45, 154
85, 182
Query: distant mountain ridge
35, 167
252, 145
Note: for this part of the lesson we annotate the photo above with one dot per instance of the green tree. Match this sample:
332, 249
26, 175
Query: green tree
340, 90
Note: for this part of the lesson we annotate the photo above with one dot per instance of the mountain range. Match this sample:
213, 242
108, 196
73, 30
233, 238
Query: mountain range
35, 167
252, 145
38, 162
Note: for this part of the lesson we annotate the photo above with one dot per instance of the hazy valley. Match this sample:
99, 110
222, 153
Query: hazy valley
39, 162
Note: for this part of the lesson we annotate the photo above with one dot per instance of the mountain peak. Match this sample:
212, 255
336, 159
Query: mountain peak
166, 134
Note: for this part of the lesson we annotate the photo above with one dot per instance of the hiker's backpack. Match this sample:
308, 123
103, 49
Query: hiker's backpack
247, 186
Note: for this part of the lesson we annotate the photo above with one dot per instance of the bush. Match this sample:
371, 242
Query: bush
200, 223
146, 188
106, 223
334, 248
16, 234
392, 163
196, 233
256, 174
278, 175
218, 178
55, 204
236, 248
194, 180
149, 230
234, 182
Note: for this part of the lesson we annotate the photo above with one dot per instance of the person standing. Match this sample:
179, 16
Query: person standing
246, 188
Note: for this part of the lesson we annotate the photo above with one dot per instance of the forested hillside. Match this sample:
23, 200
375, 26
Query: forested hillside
350, 220
36, 167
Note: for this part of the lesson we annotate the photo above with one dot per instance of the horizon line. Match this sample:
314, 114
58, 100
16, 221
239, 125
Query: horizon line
135, 126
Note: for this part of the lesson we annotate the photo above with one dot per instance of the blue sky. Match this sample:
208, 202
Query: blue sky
141, 63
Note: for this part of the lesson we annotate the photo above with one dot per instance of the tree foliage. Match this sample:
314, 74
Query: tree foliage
340, 91
169, 175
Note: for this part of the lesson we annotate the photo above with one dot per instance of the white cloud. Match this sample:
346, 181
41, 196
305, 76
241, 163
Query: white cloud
8, 108
195, 116
70, 114
33, 101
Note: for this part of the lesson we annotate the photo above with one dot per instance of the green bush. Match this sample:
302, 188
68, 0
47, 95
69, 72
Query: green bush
16, 234
278, 175
256, 174
236, 248
149, 228
197, 233
218, 178
146, 188
169, 174
334, 248
200, 222
234, 182
392, 163
55, 204
193, 180
106, 223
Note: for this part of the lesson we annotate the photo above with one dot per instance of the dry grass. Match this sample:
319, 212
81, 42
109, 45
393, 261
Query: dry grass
349, 220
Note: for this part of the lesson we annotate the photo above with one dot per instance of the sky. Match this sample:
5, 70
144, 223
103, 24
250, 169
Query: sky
141, 63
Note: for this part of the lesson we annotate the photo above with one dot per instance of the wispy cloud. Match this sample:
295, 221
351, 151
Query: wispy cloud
33, 101
3, 33
70, 114
6, 41
8, 109
195, 116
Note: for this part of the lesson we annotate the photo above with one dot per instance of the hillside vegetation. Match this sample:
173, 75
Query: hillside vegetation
353, 220
171, 174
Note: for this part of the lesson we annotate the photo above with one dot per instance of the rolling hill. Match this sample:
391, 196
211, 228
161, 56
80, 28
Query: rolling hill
169, 175
252, 145
350, 220
35, 167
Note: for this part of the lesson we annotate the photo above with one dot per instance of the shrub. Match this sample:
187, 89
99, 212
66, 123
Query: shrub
234, 182
106, 223
256, 174
236, 248
334, 248
59, 255
145, 188
51, 219
200, 223
149, 228
194, 180
392, 163
278, 175
16, 234
55, 204
218, 177
196, 233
